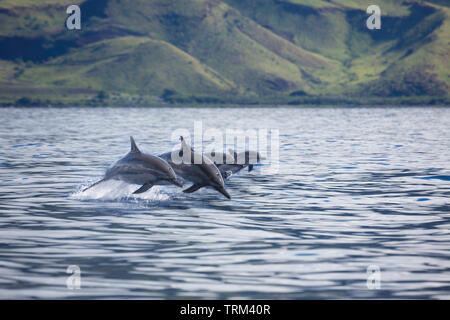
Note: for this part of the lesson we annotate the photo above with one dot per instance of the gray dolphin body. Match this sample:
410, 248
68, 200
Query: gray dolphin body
203, 174
238, 161
140, 168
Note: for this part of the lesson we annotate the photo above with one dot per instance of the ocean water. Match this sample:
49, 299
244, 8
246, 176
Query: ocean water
356, 189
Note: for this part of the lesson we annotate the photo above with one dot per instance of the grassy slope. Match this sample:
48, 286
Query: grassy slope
254, 58
229, 49
409, 45
30, 18
137, 64
419, 63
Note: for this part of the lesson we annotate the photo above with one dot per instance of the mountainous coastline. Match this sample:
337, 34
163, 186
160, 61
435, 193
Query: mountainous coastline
224, 51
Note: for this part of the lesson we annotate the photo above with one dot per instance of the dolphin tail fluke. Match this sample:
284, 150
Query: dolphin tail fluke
192, 188
144, 188
250, 167
93, 185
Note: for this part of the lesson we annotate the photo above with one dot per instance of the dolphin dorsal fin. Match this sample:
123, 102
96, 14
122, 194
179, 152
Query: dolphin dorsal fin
184, 144
134, 147
233, 153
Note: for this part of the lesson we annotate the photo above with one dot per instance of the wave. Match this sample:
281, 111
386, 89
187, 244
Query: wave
119, 190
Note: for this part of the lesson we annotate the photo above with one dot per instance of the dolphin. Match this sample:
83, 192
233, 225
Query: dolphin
247, 158
225, 162
238, 161
141, 168
198, 169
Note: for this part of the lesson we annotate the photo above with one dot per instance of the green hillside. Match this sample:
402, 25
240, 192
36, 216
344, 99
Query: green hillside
224, 51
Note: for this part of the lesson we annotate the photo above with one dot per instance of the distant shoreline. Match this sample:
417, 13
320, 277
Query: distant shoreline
208, 102
222, 106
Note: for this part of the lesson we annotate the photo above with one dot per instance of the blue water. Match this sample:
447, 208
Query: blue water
356, 187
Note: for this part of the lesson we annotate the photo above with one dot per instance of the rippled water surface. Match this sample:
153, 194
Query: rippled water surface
356, 187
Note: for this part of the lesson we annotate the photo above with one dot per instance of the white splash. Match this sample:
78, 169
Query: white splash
116, 190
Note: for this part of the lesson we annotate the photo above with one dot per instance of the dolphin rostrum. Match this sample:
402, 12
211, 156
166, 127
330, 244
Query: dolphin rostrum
196, 168
141, 168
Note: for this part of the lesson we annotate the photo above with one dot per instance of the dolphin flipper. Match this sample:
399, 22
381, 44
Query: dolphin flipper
250, 167
227, 174
192, 188
144, 188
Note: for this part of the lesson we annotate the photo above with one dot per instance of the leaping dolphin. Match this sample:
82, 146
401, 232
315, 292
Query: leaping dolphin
247, 158
197, 168
238, 161
141, 168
